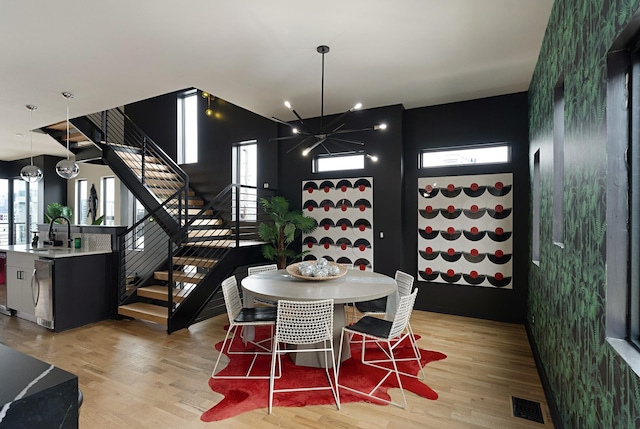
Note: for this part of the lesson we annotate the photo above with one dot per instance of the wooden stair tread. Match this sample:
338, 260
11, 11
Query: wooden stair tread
178, 276
74, 137
222, 243
194, 260
211, 232
160, 292
144, 311
207, 222
59, 126
165, 183
135, 165
156, 174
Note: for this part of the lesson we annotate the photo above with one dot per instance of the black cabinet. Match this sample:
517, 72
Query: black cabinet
82, 290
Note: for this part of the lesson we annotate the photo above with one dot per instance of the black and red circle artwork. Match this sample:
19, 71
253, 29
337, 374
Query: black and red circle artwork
343, 209
465, 230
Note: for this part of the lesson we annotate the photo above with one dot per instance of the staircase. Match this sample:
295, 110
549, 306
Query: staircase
173, 260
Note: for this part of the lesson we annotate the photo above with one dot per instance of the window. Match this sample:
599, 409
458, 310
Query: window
323, 163
535, 231
81, 202
634, 198
623, 200
245, 172
4, 211
188, 127
465, 155
558, 164
108, 201
139, 213
20, 209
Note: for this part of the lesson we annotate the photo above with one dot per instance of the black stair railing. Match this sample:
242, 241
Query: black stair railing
227, 223
223, 226
149, 173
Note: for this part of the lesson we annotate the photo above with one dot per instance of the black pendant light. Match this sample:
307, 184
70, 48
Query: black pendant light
333, 131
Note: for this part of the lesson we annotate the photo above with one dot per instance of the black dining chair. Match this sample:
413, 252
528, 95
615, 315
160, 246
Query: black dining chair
239, 317
387, 335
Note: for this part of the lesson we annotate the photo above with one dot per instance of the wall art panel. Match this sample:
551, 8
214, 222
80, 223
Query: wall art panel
465, 226
344, 211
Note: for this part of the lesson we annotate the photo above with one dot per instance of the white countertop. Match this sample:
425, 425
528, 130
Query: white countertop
52, 252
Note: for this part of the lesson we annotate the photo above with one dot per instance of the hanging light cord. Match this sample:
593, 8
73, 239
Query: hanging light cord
68, 127
31, 109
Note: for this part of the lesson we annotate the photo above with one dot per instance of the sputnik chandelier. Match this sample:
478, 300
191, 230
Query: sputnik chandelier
330, 132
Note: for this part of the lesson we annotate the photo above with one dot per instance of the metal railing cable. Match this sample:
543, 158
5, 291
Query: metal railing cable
161, 176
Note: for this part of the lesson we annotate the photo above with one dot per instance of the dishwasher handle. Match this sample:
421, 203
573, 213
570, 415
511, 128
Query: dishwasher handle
35, 295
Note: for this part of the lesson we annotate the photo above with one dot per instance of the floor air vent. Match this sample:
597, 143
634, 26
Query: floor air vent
526, 409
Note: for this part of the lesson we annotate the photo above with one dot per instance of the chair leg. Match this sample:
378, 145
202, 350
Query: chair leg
274, 352
395, 369
333, 380
395, 343
228, 342
226, 337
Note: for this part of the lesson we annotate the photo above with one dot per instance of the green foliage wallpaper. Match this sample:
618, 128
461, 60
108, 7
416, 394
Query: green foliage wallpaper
591, 385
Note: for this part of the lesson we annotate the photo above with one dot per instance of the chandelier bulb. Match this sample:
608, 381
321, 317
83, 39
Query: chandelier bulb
380, 127
288, 105
358, 106
208, 112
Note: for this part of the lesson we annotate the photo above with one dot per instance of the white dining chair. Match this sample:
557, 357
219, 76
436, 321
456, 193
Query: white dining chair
239, 317
305, 323
404, 283
387, 335
263, 269
405, 287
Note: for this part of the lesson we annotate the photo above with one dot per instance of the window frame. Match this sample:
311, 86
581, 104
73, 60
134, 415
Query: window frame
424, 152
185, 156
622, 134
318, 159
81, 200
105, 200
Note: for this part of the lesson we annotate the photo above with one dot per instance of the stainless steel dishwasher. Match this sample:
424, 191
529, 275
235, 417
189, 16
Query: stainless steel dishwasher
42, 292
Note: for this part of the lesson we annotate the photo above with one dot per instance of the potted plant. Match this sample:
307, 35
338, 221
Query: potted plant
286, 227
56, 209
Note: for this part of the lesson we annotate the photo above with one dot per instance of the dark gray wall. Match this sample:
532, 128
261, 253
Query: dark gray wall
229, 124
488, 120
386, 173
394, 175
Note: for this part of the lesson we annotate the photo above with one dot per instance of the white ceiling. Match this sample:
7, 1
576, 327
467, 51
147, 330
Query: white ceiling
256, 54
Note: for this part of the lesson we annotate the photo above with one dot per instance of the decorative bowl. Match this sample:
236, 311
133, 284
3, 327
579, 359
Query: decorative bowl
293, 270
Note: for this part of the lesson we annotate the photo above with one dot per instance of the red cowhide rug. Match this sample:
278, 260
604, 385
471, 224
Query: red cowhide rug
246, 395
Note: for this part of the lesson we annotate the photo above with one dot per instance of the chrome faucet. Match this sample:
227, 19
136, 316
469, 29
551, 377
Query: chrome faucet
52, 237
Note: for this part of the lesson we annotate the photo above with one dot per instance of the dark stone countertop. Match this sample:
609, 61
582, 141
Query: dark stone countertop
35, 394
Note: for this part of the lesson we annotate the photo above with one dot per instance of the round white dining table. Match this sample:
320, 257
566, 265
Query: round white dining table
354, 286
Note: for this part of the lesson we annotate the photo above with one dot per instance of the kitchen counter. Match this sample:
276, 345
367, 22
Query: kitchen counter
35, 394
61, 288
53, 252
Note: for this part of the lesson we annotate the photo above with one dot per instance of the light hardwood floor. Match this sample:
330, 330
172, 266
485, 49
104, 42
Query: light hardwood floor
134, 375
